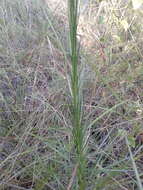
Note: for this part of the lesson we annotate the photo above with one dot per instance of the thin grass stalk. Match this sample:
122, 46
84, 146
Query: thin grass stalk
76, 98
139, 182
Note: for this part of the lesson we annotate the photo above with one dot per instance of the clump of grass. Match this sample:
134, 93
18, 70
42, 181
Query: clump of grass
78, 132
35, 128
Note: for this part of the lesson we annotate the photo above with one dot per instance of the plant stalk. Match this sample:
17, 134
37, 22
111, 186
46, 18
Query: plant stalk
78, 132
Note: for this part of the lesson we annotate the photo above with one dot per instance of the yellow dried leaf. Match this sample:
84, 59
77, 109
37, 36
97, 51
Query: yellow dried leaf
125, 24
117, 38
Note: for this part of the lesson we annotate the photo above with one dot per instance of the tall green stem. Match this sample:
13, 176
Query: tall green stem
76, 99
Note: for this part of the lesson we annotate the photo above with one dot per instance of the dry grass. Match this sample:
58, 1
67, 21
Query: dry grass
36, 146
